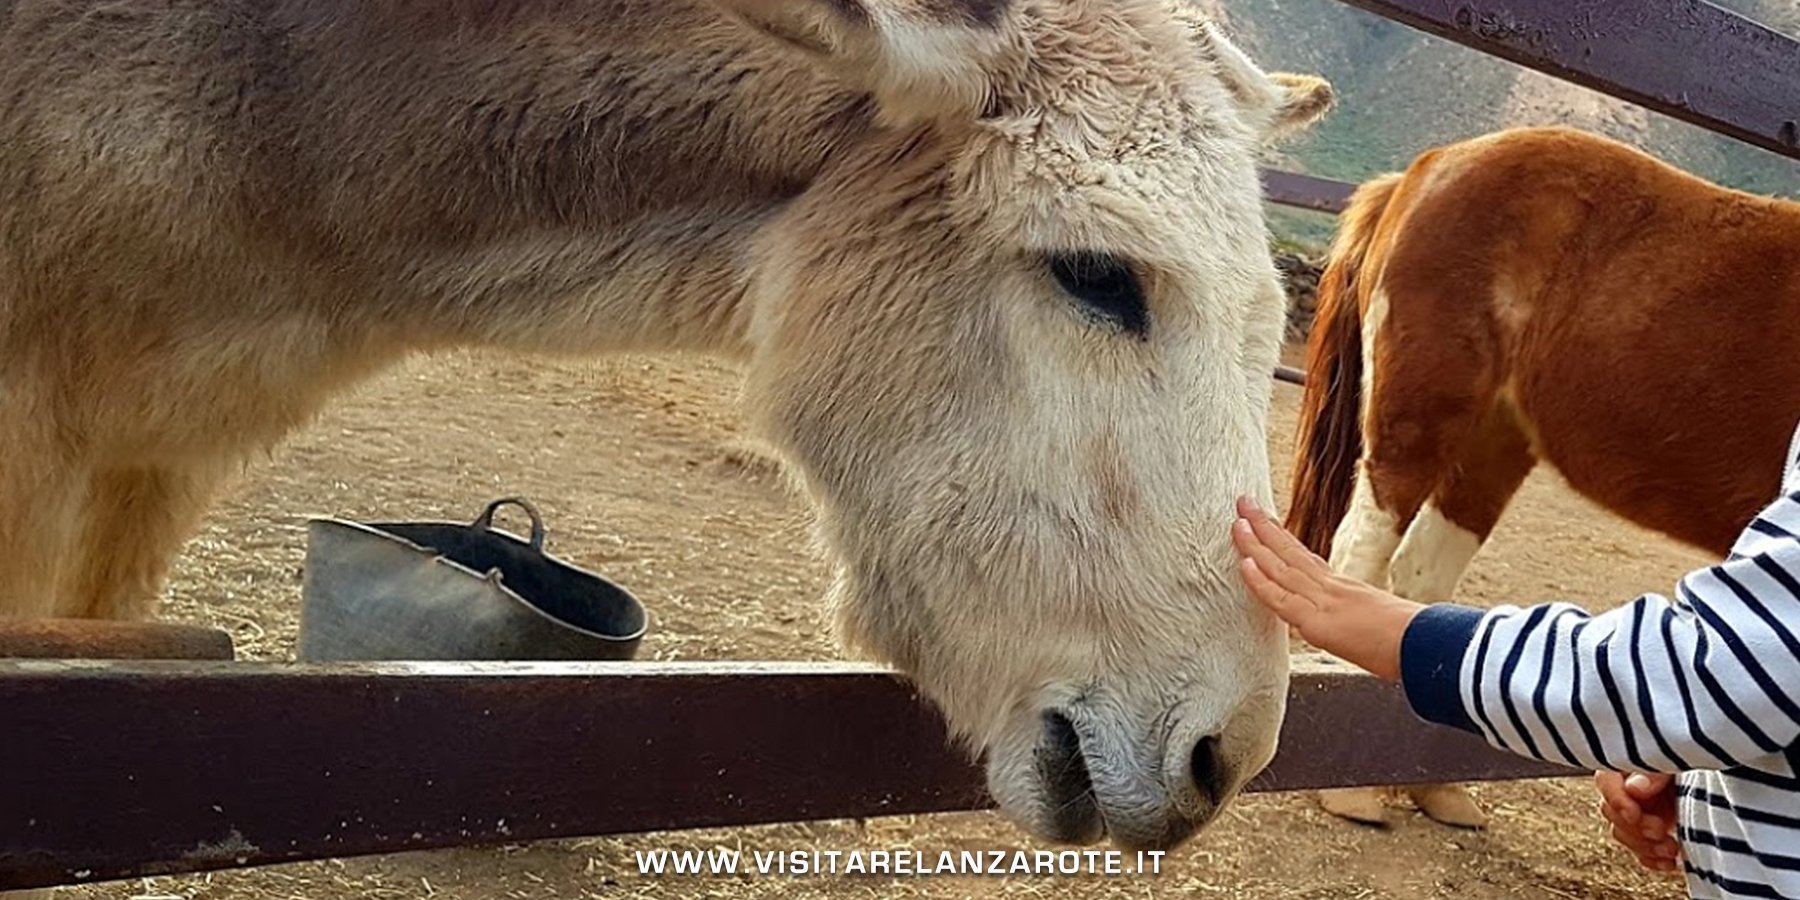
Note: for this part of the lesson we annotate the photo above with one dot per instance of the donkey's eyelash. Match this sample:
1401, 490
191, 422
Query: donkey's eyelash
1106, 286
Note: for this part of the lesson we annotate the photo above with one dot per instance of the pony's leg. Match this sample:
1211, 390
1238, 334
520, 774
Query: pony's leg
1463, 511
136, 520
1423, 407
1366, 540
1426, 568
1363, 548
1439, 546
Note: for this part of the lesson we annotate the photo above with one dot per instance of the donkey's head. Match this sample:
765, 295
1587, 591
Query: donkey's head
1017, 342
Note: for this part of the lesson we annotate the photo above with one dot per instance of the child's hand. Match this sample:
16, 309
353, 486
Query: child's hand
1339, 615
1641, 809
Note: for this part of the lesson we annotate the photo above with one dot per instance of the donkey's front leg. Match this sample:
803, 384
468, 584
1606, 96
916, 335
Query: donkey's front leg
42, 489
135, 521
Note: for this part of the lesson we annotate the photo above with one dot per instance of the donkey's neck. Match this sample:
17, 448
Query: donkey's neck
581, 176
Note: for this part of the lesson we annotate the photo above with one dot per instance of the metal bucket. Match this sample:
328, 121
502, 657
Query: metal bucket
448, 591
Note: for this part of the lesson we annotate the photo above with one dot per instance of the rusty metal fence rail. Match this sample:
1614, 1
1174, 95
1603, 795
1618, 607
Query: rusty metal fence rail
1689, 59
1305, 191
126, 769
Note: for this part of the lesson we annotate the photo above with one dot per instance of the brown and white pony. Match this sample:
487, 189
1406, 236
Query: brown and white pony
997, 272
1541, 294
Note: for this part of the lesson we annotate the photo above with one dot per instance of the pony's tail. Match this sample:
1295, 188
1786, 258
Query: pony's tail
1329, 442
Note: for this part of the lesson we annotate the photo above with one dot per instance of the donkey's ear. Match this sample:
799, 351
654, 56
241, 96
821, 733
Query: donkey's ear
825, 29
1278, 105
919, 60
1305, 99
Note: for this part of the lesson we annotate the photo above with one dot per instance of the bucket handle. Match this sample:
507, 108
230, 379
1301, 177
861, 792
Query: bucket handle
486, 521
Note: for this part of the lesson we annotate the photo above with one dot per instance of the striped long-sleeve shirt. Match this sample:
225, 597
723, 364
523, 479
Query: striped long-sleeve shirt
1705, 683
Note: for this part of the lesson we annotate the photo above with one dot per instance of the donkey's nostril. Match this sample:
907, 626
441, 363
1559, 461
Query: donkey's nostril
1073, 812
1208, 770
1059, 760
1059, 734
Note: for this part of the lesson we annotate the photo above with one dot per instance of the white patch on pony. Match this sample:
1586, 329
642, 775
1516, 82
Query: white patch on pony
1366, 539
1372, 319
1432, 557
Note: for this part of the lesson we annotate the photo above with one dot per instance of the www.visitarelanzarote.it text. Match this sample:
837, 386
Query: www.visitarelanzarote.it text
897, 862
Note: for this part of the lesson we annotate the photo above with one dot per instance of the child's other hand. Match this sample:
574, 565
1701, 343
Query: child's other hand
1641, 809
1342, 616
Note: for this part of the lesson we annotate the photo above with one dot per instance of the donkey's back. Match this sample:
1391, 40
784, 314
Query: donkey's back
210, 192
332, 129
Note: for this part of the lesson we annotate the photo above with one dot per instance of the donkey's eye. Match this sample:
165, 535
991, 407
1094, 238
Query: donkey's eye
1106, 287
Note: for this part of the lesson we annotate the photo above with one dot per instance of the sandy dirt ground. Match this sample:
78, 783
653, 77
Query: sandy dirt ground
640, 468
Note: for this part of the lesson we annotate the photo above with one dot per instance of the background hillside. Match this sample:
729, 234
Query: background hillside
1402, 91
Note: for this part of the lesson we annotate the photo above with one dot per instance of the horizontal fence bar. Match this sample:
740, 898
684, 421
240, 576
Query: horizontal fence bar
1306, 191
1685, 58
103, 639
118, 770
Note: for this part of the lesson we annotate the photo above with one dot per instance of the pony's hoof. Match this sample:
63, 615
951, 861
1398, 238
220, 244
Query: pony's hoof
1356, 804
1448, 804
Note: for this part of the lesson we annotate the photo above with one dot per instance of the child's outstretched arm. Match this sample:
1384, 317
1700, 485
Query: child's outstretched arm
1710, 680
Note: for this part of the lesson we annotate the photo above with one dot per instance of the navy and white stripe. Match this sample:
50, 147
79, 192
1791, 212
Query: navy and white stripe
1706, 684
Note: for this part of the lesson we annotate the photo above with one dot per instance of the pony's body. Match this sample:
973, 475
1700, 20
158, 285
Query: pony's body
996, 272
1543, 295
